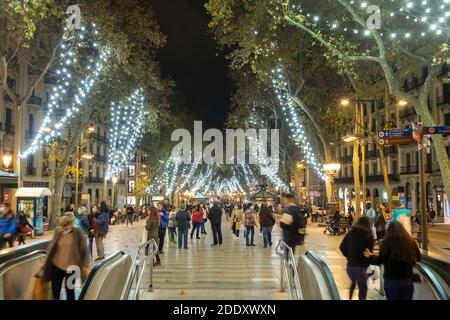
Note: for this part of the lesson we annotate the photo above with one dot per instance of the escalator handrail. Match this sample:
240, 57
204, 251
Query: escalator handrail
326, 272
20, 259
94, 272
435, 283
442, 268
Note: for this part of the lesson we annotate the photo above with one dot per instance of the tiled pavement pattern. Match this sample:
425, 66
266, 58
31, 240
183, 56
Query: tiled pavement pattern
230, 271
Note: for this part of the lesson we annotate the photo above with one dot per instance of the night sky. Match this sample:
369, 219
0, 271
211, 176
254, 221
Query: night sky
192, 59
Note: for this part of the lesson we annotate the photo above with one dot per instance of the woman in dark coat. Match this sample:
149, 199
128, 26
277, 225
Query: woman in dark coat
398, 254
353, 247
152, 227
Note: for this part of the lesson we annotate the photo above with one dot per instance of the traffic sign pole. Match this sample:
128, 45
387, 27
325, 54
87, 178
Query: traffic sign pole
423, 200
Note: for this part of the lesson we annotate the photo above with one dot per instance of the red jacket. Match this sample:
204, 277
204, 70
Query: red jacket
197, 215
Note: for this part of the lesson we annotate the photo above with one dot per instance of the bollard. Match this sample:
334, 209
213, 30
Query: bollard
151, 261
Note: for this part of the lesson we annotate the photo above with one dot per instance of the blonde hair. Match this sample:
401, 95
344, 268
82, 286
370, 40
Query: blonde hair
67, 219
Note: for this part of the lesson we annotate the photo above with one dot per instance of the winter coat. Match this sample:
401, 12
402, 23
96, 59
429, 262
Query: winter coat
249, 218
82, 222
215, 215
23, 222
8, 224
293, 224
266, 217
238, 217
102, 224
79, 250
182, 218
197, 215
152, 227
353, 246
164, 218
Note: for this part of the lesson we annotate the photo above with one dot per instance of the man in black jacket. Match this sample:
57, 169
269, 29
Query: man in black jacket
293, 222
215, 218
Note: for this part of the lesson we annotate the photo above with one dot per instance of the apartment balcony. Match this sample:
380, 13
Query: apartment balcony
372, 154
50, 81
100, 158
30, 171
408, 113
441, 100
95, 179
415, 169
391, 150
9, 128
346, 159
393, 177
98, 137
35, 100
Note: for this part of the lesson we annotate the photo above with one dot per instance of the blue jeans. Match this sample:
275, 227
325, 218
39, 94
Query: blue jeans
250, 235
91, 245
398, 289
183, 236
217, 233
358, 275
195, 226
203, 226
267, 234
172, 233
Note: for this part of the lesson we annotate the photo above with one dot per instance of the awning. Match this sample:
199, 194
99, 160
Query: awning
263, 195
200, 196
33, 192
8, 178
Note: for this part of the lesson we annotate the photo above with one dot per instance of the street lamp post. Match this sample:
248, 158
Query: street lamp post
358, 140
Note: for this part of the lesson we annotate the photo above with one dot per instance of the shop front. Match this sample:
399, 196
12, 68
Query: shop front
8, 183
34, 201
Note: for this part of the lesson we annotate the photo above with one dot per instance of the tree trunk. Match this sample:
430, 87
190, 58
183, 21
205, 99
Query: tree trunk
60, 172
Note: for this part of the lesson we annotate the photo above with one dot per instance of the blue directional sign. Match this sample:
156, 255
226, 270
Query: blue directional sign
437, 130
396, 133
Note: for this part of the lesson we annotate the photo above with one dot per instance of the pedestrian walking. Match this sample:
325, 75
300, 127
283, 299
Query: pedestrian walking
163, 222
267, 222
432, 216
92, 227
129, 213
371, 214
293, 222
24, 227
172, 225
353, 247
237, 217
250, 223
205, 218
152, 228
8, 226
380, 225
197, 219
399, 255
182, 218
101, 229
215, 217
67, 250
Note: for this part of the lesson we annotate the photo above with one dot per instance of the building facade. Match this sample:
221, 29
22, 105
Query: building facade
381, 112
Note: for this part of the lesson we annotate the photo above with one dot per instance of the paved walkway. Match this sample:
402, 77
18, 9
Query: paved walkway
230, 271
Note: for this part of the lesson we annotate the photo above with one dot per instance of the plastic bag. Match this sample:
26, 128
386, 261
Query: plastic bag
374, 277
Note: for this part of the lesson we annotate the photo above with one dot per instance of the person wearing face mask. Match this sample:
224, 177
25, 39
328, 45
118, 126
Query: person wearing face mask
24, 226
92, 227
8, 226
370, 213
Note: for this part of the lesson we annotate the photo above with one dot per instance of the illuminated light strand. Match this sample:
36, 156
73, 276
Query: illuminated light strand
65, 74
296, 127
127, 122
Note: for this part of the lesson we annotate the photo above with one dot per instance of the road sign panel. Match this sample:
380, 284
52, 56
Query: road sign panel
437, 130
395, 133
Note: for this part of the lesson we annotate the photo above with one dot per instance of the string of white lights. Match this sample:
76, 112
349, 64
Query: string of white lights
67, 83
294, 122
